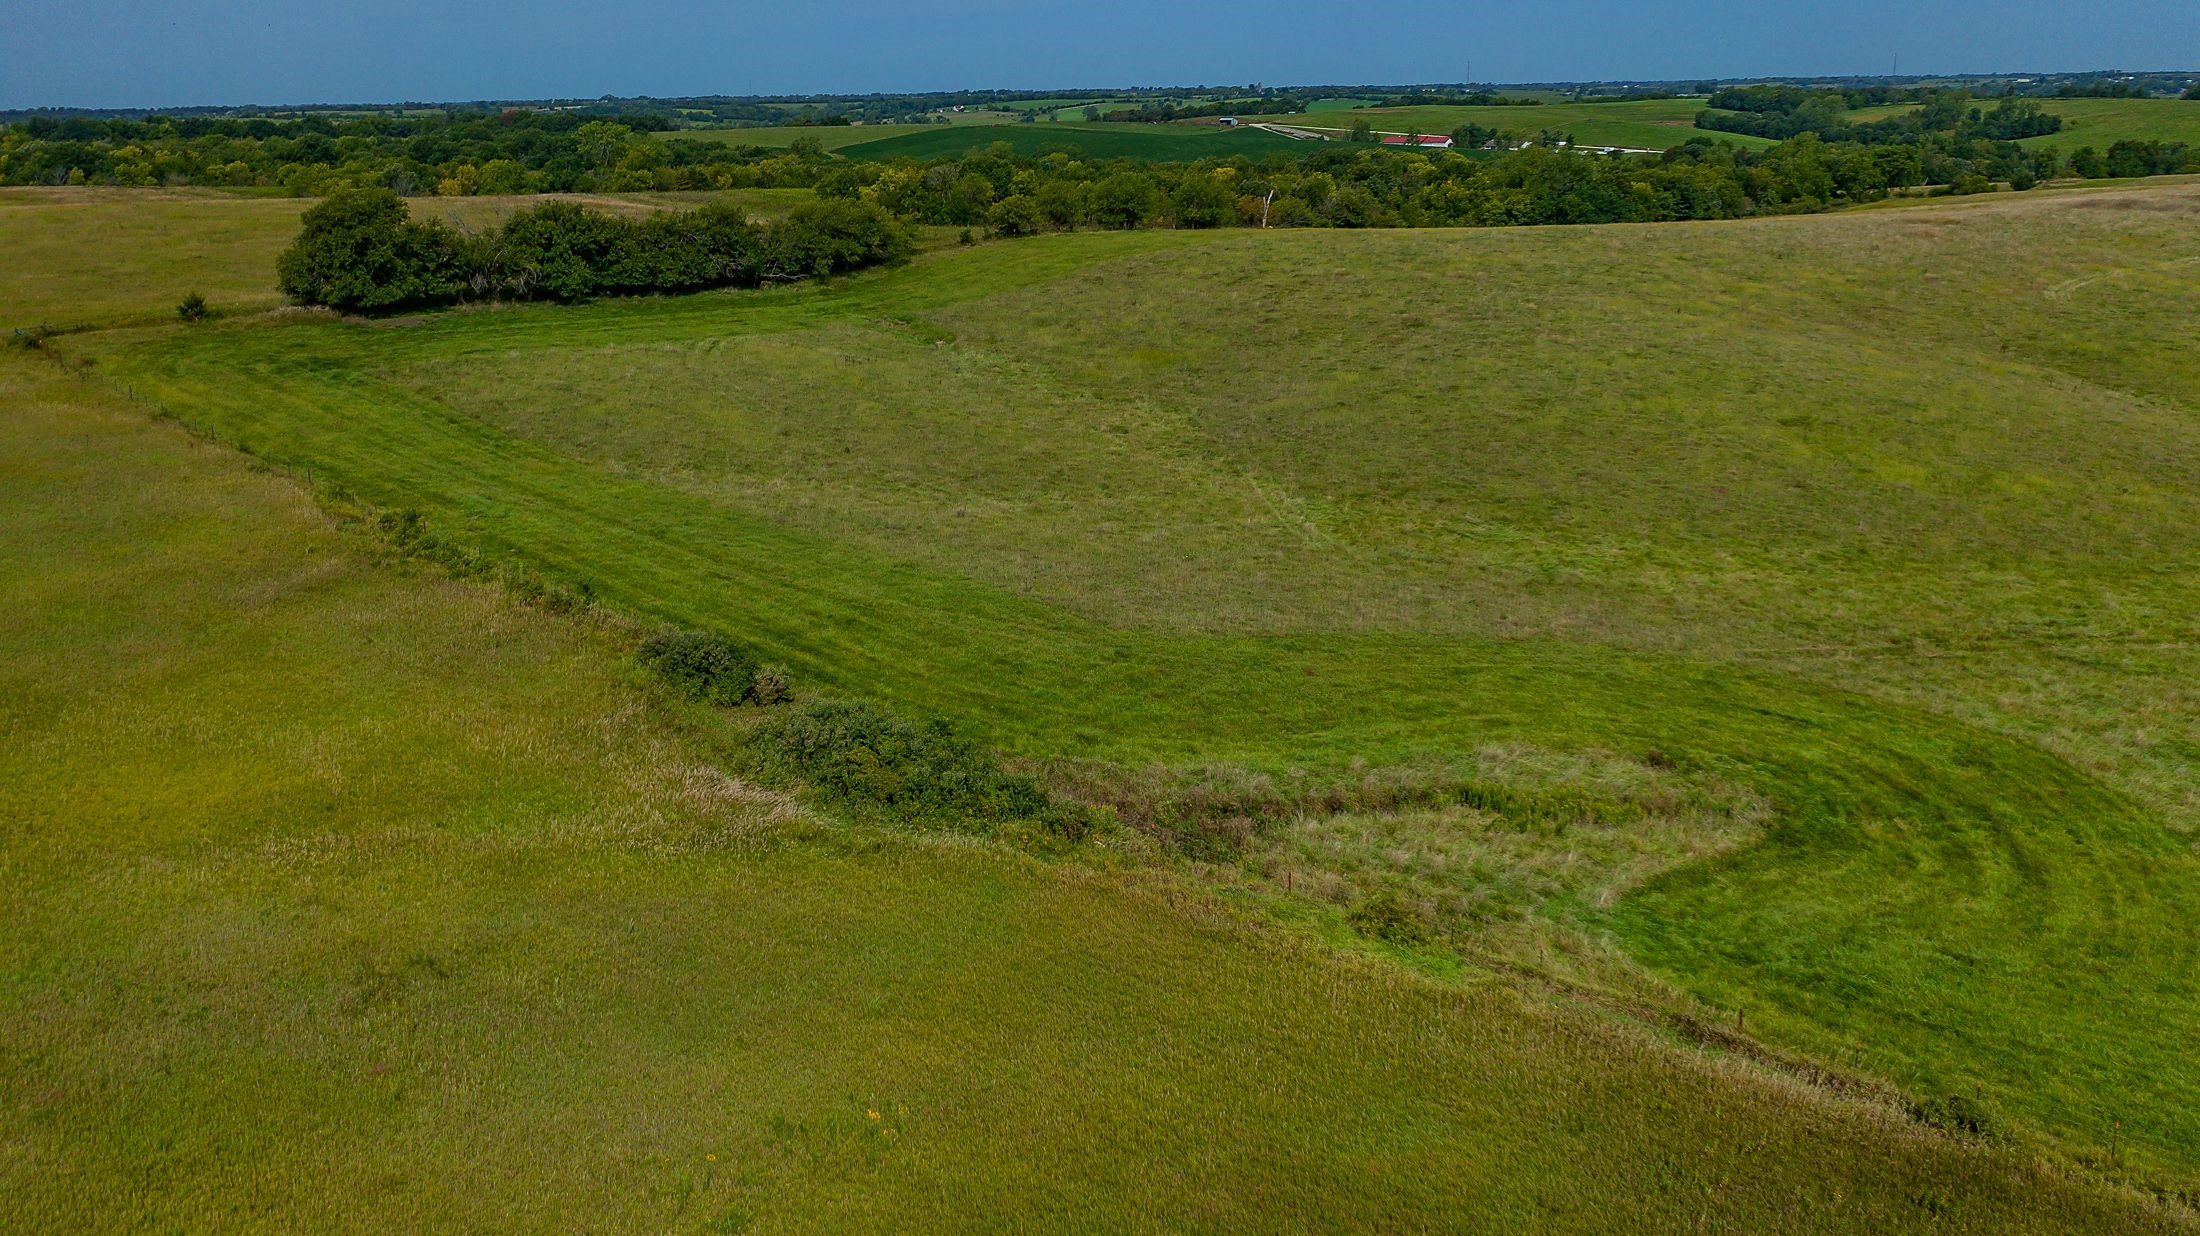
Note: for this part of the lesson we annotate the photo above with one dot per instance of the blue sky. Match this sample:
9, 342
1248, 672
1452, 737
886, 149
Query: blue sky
135, 53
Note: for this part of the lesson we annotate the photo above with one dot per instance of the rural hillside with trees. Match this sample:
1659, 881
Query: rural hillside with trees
1413, 655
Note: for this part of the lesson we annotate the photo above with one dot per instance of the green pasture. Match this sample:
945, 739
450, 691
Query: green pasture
1775, 501
1647, 124
2100, 123
342, 896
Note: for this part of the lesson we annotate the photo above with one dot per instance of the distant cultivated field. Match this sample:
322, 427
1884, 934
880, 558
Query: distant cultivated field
2101, 122
836, 136
341, 895
1772, 504
829, 136
1650, 124
1119, 140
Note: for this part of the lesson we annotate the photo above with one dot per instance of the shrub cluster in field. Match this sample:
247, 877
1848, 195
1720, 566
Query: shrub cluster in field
713, 668
859, 755
362, 250
922, 773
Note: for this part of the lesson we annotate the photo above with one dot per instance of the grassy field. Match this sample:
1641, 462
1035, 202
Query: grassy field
1593, 498
154, 247
1648, 124
2100, 123
159, 245
343, 896
1121, 140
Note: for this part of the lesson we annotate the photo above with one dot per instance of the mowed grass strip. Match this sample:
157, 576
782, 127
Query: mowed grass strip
344, 896
1937, 901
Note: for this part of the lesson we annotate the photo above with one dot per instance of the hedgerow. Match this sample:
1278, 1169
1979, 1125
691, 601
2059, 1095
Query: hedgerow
361, 250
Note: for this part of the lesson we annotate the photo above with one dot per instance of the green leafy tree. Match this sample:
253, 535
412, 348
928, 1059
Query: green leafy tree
1064, 203
362, 250
1125, 200
1202, 201
602, 142
826, 238
1015, 215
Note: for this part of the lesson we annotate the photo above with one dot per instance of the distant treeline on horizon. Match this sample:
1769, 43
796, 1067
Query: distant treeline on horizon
885, 107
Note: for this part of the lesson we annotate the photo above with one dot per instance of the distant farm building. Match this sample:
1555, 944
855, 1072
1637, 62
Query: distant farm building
1420, 141
1228, 122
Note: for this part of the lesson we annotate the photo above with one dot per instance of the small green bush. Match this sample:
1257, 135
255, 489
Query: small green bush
921, 773
772, 685
705, 666
193, 308
1384, 917
1957, 1113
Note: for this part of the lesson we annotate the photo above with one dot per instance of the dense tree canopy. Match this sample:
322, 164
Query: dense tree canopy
361, 250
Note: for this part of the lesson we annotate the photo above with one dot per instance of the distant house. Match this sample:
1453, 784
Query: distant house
1228, 122
1418, 141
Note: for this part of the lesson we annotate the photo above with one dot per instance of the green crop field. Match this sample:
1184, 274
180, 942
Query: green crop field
828, 136
1645, 124
838, 136
1841, 562
1119, 140
2099, 123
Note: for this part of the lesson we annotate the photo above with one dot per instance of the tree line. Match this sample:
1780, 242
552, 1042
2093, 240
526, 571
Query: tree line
1946, 142
1943, 117
450, 153
1347, 185
362, 250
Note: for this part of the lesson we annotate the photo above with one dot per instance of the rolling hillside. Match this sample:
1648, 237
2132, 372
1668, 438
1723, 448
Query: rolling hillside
1652, 124
344, 895
2100, 123
1599, 497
